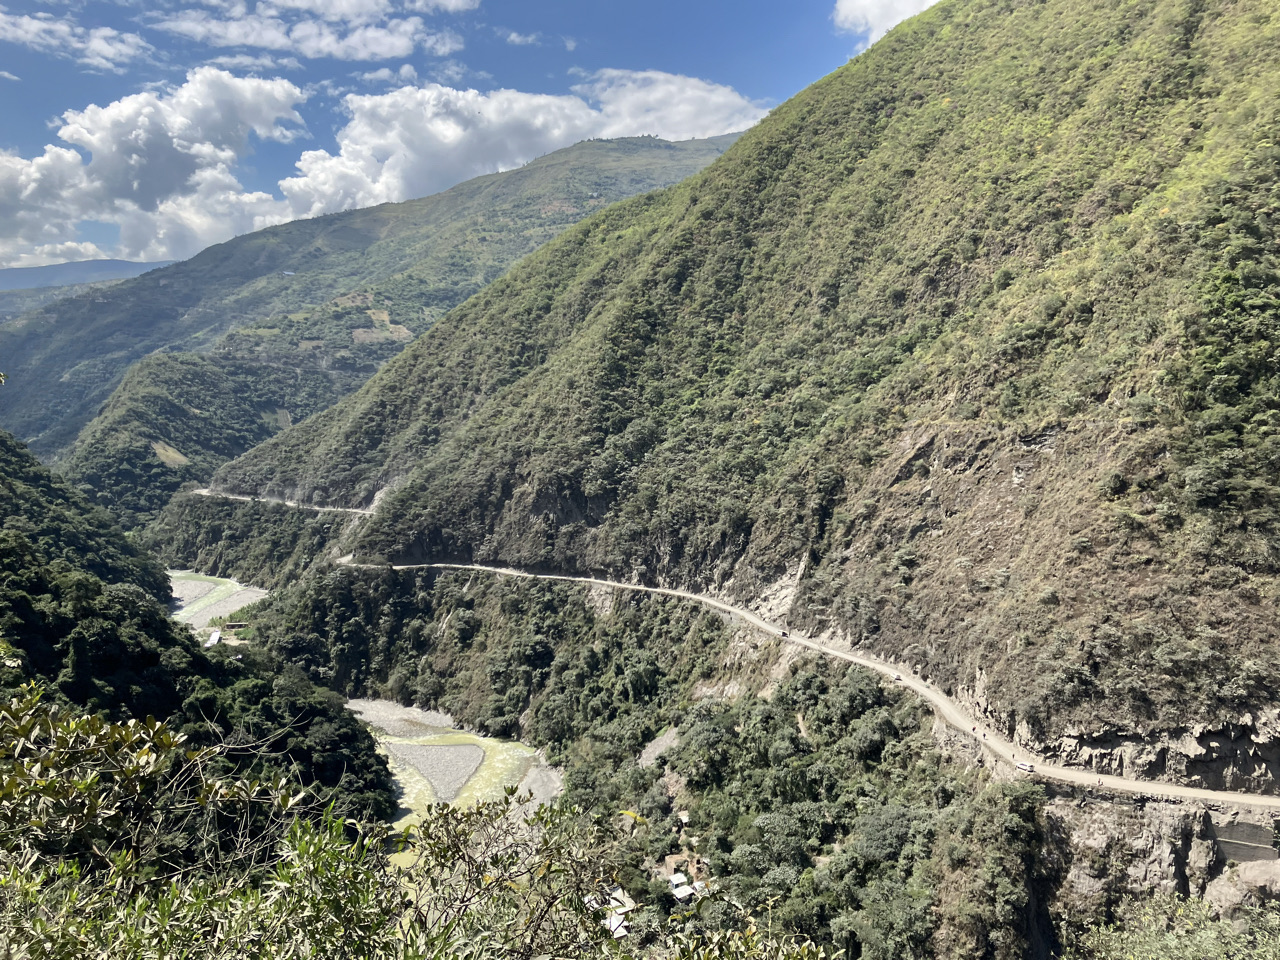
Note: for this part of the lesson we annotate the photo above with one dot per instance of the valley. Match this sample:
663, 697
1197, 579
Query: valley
873, 517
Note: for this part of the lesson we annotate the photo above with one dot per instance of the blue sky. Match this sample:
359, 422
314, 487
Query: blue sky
151, 130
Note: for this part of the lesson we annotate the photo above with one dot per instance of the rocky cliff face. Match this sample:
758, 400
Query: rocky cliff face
1232, 756
1116, 847
1243, 755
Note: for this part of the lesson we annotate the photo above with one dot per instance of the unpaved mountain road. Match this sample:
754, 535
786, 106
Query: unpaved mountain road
206, 492
947, 709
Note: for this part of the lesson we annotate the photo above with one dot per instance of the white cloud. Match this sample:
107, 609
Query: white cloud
520, 39
157, 164
666, 105
451, 72
406, 74
162, 165
102, 48
417, 140
570, 44
311, 38
5, 74
875, 18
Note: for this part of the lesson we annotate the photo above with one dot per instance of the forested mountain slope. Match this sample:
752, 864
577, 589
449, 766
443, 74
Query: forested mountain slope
82, 612
969, 346
66, 358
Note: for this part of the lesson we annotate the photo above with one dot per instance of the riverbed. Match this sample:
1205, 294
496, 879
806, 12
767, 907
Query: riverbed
199, 599
434, 762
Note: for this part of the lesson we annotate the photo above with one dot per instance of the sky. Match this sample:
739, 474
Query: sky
148, 130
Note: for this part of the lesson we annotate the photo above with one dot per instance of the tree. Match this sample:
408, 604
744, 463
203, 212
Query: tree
85, 805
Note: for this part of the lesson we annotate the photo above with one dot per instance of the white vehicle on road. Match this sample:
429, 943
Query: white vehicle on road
1025, 767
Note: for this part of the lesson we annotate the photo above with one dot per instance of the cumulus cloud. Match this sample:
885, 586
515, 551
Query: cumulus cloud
6, 75
158, 164
162, 165
666, 105
520, 39
874, 18
417, 140
102, 48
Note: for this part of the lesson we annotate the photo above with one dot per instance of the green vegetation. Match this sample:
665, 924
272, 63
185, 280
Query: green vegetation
83, 799
430, 254
14, 303
176, 417
1166, 928
82, 612
263, 543
974, 334
823, 806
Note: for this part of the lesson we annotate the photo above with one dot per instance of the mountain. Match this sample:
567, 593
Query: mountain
65, 359
966, 352
68, 274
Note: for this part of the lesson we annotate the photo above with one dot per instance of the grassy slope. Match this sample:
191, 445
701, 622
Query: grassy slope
69, 356
974, 334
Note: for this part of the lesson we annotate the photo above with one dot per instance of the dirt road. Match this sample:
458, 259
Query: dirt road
947, 709
206, 492
951, 712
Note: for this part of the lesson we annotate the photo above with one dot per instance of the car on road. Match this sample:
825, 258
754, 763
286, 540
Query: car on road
1025, 767
897, 678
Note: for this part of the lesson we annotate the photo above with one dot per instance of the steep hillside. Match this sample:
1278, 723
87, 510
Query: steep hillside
82, 613
967, 347
69, 356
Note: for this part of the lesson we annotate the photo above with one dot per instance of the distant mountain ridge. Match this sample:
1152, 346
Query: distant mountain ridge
65, 359
76, 271
966, 352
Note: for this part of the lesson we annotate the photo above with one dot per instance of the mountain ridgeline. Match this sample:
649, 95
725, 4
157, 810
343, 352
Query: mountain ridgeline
177, 416
968, 348
302, 345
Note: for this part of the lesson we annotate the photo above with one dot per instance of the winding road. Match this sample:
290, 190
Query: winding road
947, 709
206, 492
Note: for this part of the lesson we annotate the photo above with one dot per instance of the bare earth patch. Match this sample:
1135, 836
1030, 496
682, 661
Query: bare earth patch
198, 600
448, 767
664, 741
397, 721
